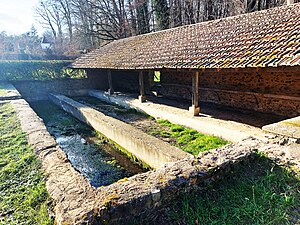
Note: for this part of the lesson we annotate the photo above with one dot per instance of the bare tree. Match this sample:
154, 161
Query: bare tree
67, 12
90, 23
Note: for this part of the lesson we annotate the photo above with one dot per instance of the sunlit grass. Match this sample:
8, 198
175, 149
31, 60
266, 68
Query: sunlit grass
187, 139
23, 195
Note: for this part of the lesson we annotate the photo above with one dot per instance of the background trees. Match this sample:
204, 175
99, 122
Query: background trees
76, 26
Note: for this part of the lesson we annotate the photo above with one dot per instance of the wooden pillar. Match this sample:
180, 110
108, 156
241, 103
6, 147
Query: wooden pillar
110, 84
142, 96
195, 109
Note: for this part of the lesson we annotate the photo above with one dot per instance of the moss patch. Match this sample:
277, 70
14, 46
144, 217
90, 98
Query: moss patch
294, 124
23, 195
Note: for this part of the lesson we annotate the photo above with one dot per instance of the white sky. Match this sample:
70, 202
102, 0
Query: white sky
17, 16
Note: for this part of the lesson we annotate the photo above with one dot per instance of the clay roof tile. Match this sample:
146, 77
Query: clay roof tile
260, 39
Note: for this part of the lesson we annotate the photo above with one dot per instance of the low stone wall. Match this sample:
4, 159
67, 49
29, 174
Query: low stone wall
39, 90
148, 149
141, 197
72, 194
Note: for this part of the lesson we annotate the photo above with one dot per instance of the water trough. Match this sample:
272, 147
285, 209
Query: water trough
148, 149
95, 158
135, 200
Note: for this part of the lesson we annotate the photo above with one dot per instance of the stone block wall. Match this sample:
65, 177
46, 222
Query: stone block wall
270, 90
39, 90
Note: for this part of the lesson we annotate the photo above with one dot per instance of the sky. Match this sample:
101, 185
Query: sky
17, 16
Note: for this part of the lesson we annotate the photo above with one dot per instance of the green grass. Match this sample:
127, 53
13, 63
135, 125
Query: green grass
187, 139
23, 195
262, 193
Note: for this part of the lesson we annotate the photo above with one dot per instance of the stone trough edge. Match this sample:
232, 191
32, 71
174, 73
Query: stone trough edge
72, 193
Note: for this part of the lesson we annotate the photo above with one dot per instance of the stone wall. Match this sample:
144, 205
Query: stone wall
39, 90
72, 194
270, 90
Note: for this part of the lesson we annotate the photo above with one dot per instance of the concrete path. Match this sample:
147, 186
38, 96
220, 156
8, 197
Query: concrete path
226, 129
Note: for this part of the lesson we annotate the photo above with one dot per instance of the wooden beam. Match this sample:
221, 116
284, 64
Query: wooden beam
142, 96
195, 109
110, 83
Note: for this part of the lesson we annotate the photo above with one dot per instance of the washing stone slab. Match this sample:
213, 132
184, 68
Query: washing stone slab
11, 93
289, 127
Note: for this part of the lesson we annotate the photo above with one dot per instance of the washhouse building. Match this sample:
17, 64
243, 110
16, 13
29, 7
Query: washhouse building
249, 61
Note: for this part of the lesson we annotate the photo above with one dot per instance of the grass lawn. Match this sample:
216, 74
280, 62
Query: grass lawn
186, 139
262, 193
23, 195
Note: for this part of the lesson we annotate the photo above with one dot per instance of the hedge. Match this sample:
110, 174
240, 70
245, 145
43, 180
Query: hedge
38, 70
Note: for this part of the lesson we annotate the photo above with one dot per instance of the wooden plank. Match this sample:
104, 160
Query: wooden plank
142, 96
195, 109
110, 83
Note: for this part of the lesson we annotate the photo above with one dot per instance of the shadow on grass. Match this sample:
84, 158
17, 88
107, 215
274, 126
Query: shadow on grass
260, 193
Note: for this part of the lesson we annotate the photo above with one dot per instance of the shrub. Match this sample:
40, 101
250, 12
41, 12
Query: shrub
38, 70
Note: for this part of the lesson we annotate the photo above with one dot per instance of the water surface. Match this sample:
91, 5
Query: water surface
91, 155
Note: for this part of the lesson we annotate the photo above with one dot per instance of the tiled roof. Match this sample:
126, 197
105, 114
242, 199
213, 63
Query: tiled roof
260, 39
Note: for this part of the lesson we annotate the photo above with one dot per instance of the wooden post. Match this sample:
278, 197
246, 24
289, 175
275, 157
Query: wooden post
195, 109
110, 84
142, 96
